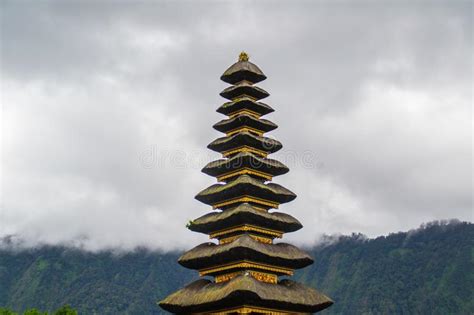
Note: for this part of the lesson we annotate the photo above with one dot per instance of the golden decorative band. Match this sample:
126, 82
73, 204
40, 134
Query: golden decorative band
242, 199
227, 240
250, 310
245, 265
242, 129
245, 111
260, 276
259, 238
243, 96
245, 148
262, 239
243, 171
264, 277
246, 228
226, 277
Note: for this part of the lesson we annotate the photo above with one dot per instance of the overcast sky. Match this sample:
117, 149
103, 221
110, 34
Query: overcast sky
108, 108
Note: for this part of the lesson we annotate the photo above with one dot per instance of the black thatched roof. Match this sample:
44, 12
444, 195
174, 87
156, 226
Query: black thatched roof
243, 70
244, 103
245, 138
244, 120
204, 295
245, 160
246, 248
245, 214
245, 185
244, 88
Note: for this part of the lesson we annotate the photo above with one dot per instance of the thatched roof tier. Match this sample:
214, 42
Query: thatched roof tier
245, 186
225, 168
244, 214
204, 295
246, 248
244, 89
243, 70
244, 122
244, 104
226, 145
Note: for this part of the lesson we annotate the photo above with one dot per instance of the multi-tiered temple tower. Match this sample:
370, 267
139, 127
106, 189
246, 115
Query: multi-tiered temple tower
246, 266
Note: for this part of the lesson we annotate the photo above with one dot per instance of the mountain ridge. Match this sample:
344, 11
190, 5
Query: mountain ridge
429, 270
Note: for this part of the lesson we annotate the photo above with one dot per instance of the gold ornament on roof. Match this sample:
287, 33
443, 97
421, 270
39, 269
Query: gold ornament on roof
243, 56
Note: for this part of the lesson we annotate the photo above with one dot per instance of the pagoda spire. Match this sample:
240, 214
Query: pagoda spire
243, 56
245, 264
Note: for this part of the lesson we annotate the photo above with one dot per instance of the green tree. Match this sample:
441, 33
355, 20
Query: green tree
65, 310
34, 311
5, 311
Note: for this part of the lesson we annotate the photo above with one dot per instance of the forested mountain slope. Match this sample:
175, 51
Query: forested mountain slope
427, 271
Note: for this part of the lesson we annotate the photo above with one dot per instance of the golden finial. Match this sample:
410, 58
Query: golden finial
243, 56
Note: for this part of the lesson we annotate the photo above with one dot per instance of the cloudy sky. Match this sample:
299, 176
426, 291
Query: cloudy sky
107, 108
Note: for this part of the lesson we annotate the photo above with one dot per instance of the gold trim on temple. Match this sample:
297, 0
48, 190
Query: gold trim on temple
245, 148
256, 200
244, 111
245, 264
245, 129
261, 239
243, 171
260, 276
246, 228
244, 96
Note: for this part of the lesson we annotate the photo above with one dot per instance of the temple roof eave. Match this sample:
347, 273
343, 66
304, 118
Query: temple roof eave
244, 88
244, 103
245, 214
245, 120
243, 70
245, 248
245, 185
264, 144
204, 295
245, 160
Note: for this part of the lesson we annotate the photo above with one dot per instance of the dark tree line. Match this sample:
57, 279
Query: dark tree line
65, 310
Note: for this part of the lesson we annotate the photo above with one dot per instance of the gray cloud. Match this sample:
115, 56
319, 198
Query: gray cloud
108, 107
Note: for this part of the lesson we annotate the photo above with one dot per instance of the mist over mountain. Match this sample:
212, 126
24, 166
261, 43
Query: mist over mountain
107, 108
429, 270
